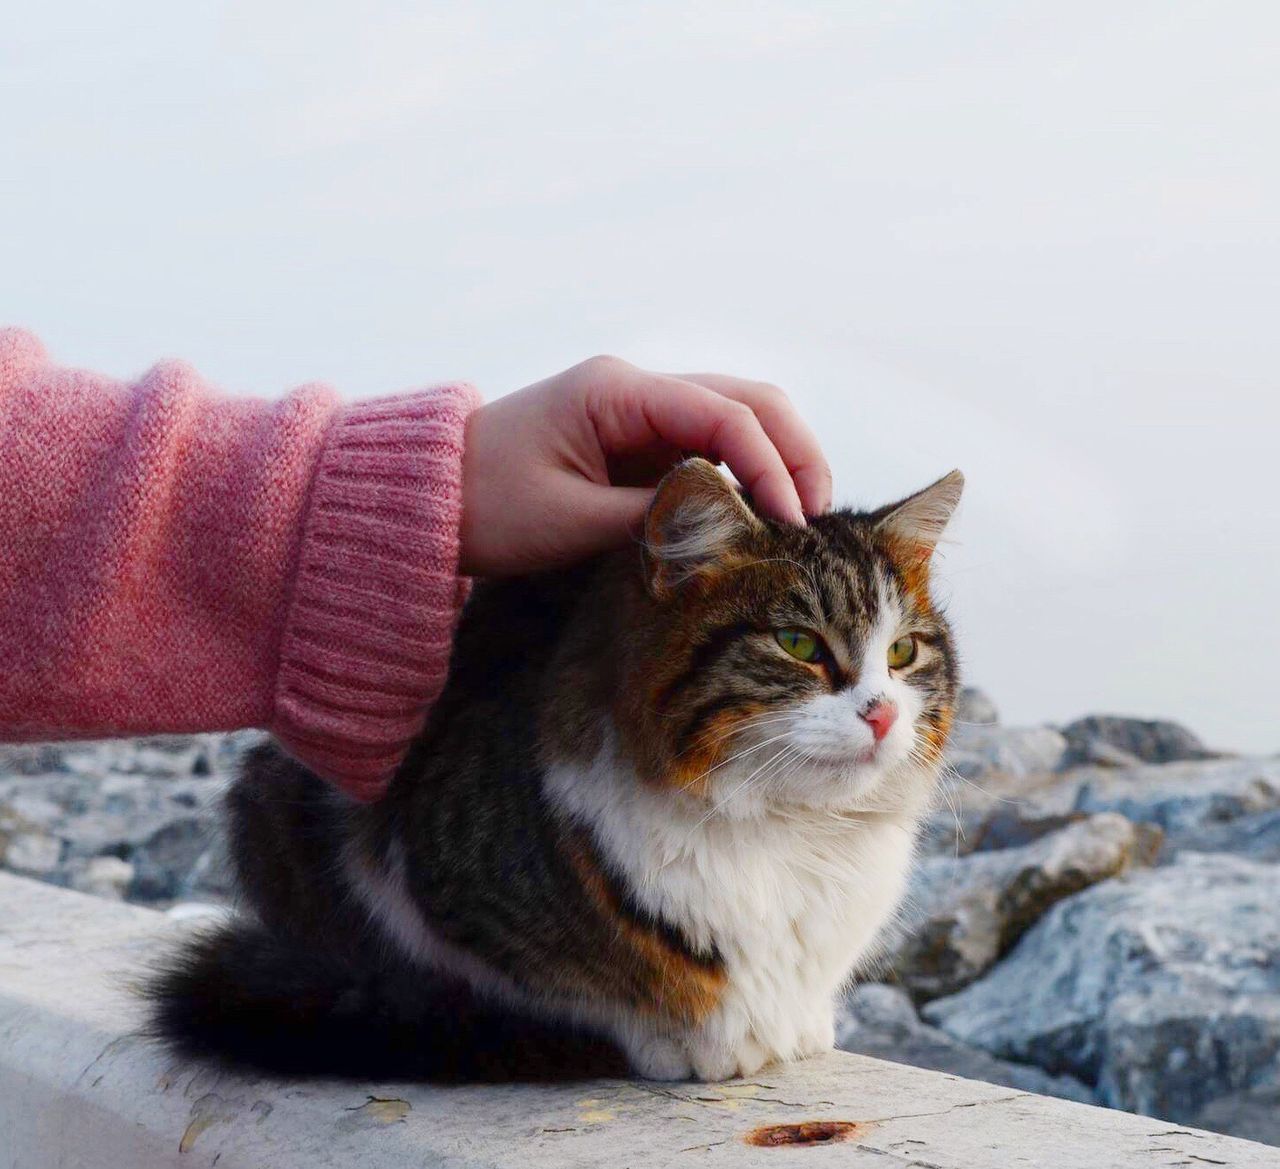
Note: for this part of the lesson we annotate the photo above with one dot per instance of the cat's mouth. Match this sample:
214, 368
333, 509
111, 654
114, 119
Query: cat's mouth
860, 756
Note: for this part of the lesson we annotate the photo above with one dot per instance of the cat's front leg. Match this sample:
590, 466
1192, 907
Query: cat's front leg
818, 1032
719, 1049
726, 1046
658, 1057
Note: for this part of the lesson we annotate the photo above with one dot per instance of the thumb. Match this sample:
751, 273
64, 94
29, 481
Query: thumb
599, 517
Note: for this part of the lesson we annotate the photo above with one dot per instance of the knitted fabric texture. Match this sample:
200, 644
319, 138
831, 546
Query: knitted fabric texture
175, 560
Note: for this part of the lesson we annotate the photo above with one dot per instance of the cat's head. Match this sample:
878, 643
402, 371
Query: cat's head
781, 666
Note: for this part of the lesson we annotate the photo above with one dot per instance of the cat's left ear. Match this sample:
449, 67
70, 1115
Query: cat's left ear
914, 525
696, 520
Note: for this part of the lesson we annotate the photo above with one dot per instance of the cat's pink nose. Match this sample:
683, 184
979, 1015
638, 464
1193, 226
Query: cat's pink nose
880, 717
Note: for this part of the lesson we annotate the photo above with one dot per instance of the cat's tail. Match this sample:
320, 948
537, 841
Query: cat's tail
243, 995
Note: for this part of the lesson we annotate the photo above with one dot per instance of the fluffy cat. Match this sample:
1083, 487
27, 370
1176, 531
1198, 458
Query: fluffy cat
666, 804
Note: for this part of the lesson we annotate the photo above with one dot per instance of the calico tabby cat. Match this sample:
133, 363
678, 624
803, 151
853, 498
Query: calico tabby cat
668, 799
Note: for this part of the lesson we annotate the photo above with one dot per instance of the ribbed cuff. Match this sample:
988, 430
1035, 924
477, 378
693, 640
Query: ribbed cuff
376, 594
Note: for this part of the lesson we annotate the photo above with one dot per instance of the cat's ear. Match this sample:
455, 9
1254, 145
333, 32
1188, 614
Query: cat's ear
914, 525
697, 518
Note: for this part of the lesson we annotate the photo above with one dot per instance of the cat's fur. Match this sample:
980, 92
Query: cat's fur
632, 811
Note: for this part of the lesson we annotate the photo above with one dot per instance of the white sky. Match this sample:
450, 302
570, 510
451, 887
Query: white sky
1039, 242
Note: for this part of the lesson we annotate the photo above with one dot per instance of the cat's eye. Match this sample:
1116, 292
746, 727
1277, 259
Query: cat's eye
902, 653
799, 643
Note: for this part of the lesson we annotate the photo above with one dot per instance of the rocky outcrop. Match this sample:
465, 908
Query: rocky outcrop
965, 912
135, 819
1122, 742
1161, 988
880, 1020
978, 751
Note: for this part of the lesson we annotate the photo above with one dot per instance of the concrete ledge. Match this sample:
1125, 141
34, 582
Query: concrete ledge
78, 1088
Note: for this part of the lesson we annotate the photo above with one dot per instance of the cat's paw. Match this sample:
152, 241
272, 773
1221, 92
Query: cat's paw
659, 1058
714, 1061
818, 1035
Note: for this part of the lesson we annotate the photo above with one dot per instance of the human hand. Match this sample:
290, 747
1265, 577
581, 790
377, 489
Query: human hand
566, 467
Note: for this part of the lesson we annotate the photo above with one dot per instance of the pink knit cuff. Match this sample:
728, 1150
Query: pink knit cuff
366, 643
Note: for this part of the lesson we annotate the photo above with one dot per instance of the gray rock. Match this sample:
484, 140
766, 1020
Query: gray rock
879, 1020
1114, 740
30, 759
970, 910
974, 708
153, 804
1185, 796
1253, 1115
104, 876
34, 854
12, 822
163, 864
1012, 826
34, 809
978, 751
1256, 837
1180, 797
1160, 988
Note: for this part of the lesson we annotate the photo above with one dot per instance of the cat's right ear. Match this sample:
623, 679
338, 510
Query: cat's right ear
697, 519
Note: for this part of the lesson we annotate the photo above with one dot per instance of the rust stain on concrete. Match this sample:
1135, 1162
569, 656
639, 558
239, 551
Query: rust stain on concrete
805, 1132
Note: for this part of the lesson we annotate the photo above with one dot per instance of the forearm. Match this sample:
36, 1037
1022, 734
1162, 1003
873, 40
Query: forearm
175, 560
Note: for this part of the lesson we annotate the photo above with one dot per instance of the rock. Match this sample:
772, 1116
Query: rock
34, 809
978, 751
974, 908
1253, 1115
1010, 826
34, 854
974, 708
105, 876
1181, 797
30, 759
1161, 988
1114, 741
1256, 837
164, 862
11, 823
879, 1020
154, 804
1098, 753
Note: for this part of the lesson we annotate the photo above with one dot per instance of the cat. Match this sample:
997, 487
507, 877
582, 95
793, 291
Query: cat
666, 804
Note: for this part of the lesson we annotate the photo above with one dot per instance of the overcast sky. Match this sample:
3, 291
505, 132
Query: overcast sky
1038, 242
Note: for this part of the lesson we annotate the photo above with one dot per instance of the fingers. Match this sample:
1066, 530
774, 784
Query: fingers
638, 409
796, 443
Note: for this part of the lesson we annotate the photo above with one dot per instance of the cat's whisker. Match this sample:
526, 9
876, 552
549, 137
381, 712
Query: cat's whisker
944, 789
749, 725
733, 759
773, 759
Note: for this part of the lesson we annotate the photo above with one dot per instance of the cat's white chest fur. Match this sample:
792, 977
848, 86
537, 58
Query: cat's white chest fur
792, 901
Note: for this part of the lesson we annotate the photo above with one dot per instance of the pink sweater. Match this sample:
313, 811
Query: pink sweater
176, 560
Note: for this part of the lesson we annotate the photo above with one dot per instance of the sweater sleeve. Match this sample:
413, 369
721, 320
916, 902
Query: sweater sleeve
175, 560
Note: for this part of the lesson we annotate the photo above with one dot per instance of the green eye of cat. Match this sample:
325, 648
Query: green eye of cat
799, 644
902, 653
